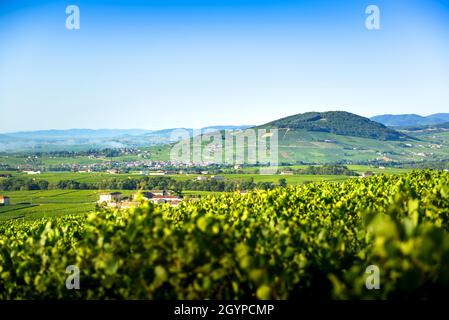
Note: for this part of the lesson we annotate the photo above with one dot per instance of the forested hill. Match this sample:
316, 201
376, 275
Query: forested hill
337, 122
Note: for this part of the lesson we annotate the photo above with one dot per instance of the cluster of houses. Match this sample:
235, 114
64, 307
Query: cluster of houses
152, 168
116, 199
4, 200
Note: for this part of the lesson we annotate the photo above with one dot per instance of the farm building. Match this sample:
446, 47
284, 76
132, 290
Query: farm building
32, 172
201, 178
173, 200
110, 197
4, 201
217, 178
367, 174
156, 197
158, 173
152, 194
160, 192
144, 195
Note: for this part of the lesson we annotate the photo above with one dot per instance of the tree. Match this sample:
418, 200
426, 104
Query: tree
282, 182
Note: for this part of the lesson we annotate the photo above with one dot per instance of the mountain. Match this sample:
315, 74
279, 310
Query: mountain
430, 127
408, 120
76, 133
443, 125
219, 128
169, 135
339, 123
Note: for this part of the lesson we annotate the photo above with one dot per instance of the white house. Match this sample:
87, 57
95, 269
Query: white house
32, 172
201, 178
160, 193
158, 173
367, 174
110, 197
4, 201
172, 200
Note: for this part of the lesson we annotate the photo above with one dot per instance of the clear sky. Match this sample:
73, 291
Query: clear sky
172, 63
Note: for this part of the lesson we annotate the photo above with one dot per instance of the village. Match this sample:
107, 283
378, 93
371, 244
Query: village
145, 167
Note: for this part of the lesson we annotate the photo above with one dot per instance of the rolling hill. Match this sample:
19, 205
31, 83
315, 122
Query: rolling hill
338, 123
342, 137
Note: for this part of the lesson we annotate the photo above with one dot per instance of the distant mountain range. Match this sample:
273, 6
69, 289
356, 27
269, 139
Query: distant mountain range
408, 120
76, 133
104, 133
82, 139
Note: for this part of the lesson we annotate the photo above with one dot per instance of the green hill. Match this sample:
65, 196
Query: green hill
335, 136
339, 123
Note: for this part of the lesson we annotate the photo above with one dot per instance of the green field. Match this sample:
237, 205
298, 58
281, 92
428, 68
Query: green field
49, 203
90, 177
248, 172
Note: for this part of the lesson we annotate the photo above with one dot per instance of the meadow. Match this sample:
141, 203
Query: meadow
30, 205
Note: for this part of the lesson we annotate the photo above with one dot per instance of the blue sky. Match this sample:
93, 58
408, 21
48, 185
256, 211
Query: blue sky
167, 63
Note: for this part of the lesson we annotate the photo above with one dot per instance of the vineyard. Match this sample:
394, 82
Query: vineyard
312, 241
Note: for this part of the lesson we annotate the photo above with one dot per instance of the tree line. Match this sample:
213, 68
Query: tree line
144, 183
327, 169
